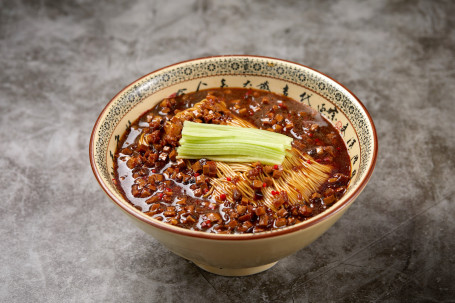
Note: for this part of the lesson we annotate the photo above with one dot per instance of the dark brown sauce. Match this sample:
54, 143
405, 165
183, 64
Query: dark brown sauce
176, 199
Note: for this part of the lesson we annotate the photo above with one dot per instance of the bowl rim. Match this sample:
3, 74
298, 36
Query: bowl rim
229, 237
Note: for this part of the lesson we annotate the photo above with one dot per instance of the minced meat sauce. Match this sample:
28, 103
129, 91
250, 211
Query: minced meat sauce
172, 190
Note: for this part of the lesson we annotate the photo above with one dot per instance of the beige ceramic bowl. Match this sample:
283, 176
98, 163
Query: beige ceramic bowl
235, 255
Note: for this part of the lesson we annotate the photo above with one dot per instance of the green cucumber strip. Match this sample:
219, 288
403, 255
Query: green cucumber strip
227, 142
240, 159
218, 130
210, 150
248, 140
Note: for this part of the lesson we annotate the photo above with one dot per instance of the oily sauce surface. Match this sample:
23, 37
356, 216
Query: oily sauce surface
171, 190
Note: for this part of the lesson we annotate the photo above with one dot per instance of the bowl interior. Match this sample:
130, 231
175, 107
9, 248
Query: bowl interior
301, 83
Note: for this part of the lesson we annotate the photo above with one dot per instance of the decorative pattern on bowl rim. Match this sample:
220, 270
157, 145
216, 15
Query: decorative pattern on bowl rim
265, 67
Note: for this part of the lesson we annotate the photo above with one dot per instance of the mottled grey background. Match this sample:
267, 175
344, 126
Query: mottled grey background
62, 240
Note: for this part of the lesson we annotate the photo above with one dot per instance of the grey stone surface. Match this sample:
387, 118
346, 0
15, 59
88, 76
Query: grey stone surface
62, 240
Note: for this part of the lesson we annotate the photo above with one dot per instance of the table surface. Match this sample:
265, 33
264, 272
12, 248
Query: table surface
62, 240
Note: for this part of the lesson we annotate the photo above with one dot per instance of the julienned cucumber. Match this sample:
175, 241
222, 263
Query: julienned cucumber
231, 144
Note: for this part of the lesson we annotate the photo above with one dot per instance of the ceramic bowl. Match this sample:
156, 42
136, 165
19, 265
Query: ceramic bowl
242, 254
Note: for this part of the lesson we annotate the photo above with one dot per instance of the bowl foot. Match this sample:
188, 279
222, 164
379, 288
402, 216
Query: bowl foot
235, 271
